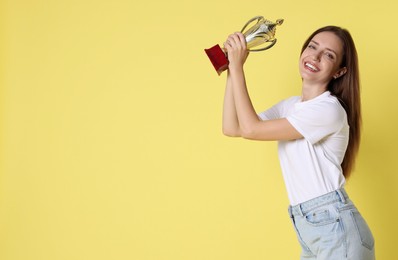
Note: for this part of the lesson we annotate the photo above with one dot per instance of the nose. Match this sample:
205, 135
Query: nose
316, 56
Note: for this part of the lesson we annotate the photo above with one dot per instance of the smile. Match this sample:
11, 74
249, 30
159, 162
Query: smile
311, 67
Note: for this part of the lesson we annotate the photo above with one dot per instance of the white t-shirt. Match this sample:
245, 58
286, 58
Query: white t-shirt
311, 166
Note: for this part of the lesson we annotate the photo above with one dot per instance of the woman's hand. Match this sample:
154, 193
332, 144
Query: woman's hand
236, 50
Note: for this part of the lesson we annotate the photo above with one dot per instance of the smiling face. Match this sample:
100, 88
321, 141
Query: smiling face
321, 59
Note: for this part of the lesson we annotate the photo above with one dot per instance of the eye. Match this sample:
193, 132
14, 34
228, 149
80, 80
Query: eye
329, 55
311, 46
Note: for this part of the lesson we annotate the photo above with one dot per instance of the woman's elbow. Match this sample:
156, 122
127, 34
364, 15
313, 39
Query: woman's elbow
231, 132
250, 132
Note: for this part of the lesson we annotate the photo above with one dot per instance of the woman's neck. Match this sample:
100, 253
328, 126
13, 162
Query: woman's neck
310, 91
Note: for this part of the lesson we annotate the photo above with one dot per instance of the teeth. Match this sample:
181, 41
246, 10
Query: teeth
310, 66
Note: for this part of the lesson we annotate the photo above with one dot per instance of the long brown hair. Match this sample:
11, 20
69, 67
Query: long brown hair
347, 89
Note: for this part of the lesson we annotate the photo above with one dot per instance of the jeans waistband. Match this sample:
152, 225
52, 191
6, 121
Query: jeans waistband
331, 197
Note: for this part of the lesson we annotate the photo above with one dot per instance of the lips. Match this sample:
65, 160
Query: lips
311, 67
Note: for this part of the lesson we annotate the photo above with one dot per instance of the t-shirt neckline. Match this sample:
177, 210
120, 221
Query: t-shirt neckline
319, 97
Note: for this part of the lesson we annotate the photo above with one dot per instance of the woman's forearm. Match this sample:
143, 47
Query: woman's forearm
246, 114
230, 123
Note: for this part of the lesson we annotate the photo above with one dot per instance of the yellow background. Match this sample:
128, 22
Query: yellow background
111, 143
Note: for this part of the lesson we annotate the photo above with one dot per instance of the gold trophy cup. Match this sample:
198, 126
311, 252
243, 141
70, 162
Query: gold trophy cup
261, 32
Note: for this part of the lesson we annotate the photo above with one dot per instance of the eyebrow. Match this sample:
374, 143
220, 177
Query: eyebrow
326, 48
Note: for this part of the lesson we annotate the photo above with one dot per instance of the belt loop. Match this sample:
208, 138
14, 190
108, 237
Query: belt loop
341, 195
299, 207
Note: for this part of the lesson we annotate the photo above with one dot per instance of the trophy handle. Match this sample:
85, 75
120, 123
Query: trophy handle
258, 18
267, 47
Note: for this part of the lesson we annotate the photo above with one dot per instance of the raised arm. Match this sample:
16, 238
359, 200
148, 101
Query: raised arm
250, 126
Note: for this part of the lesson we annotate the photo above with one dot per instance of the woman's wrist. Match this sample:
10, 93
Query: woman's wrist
235, 68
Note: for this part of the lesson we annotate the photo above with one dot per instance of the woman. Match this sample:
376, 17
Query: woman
318, 134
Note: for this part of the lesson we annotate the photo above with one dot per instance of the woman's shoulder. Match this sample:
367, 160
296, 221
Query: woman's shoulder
331, 106
334, 102
291, 100
327, 100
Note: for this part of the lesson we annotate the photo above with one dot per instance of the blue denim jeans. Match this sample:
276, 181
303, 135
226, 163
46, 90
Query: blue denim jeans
330, 227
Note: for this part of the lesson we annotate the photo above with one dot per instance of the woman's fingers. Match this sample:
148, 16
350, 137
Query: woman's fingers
235, 40
241, 38
236, 48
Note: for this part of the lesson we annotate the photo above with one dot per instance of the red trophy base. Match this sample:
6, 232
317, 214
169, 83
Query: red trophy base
217, 58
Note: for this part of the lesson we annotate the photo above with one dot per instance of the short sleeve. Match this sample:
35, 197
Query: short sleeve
279, 110
271, 113
318, 120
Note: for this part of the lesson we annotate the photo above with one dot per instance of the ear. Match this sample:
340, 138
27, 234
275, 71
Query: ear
340, 73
